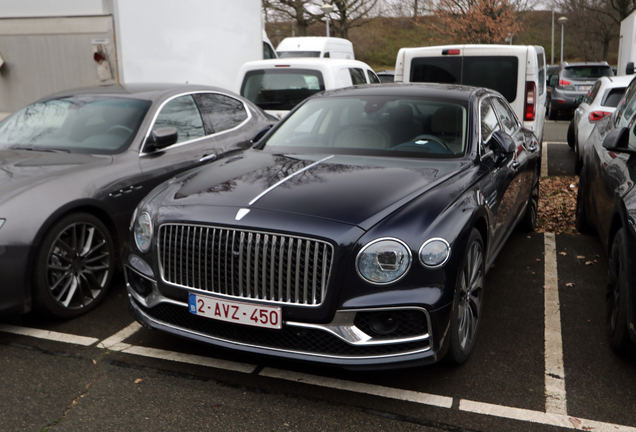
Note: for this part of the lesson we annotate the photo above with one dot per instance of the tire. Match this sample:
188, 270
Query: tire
579, 159
529, 221
74, 266
570, 135
552, 113
616, 302
582, 222
468, 302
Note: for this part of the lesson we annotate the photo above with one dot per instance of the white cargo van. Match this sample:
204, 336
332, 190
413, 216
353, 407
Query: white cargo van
313, 46
277, 86
515, 71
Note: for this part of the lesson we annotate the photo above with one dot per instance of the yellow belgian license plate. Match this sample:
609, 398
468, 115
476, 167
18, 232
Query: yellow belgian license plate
235, 312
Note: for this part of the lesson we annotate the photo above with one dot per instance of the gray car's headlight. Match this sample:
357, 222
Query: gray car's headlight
434, 252
142, 231
383, 261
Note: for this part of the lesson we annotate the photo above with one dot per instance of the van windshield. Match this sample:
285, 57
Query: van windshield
281, 89
290, 54
498, 73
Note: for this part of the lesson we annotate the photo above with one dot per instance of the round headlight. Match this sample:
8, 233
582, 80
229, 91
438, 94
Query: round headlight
383, 261
434, 252
143, 232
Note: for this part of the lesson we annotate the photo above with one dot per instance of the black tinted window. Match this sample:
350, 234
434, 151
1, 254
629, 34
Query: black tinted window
373, 78
445, 70
613, 97
220, 112
281, 89
586, 71
357, 76
494, 72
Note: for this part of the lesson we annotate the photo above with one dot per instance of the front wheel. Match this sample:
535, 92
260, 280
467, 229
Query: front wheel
74, 266
529, 221
468, 303
616, 299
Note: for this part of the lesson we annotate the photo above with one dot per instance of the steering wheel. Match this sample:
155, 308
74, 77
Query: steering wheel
114, 129
426, 143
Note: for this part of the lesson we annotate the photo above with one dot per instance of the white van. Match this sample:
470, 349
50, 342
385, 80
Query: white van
515, 71
313, 46
279, 85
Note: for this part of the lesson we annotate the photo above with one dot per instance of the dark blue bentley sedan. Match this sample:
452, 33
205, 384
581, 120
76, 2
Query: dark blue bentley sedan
356, 233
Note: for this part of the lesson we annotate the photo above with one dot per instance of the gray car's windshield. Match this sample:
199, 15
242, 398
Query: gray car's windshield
404, 127
79, 124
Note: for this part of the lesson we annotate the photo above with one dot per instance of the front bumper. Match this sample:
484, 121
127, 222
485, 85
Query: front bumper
347, 341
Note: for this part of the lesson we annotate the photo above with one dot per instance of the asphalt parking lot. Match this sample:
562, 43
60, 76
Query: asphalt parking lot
541, 363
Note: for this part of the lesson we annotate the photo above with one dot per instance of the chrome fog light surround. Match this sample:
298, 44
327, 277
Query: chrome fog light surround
434, 253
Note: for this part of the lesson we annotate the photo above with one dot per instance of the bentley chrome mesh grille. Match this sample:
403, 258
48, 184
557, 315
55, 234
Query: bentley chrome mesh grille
245, 264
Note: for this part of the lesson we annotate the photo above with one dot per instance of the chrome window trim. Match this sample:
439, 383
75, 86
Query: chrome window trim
177, 145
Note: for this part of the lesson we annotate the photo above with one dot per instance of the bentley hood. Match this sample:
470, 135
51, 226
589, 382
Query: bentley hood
355, 190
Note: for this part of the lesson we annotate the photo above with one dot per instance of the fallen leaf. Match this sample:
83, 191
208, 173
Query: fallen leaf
538, 259
580, 256
94, 361
575, 422
589, 263
563, 253
569, 284
138, 380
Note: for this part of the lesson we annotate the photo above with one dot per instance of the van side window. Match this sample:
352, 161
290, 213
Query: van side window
357, 76
542, 78
220, 112
373, 78
494, 72
489, 123
445, 70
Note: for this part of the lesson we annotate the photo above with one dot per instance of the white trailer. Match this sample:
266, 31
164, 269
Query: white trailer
53, 45
627, 46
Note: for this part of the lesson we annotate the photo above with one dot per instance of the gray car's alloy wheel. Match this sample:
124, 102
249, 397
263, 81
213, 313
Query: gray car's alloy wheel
74, 266
616, 299
468, 304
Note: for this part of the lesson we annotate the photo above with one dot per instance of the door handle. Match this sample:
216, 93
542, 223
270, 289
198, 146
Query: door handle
208, 157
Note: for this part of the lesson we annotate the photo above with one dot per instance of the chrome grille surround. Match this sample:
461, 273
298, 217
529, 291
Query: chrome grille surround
245, 264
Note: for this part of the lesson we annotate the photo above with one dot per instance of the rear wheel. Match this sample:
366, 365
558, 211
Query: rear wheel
570, 135
616, 300
468, 303
529, 221
552, 113
74, 266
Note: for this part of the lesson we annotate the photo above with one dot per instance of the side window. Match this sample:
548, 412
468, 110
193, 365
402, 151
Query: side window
542, 78
373, 78
489, 123
507, 118
357, 76
183, 114
626, 110
326, 55
220, 112
591, 95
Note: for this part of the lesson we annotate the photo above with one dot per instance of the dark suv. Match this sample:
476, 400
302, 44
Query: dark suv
571, 81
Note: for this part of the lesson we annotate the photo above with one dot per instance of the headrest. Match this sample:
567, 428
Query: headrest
447, 120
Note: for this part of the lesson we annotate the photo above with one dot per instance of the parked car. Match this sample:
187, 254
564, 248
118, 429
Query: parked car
599, 102
357, 233
315, 46
277, 86
606, 203
571, 81
75, 165
515, 71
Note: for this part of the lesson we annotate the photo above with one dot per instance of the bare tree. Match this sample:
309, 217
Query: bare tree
351, 14
298, 11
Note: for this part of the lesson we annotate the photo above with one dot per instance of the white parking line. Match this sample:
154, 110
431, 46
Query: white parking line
115, 342
49, 335
539, 417
334, 383
555, 397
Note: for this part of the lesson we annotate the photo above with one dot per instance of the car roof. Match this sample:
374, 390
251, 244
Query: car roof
429, 90
303, 62
151, 91
616, 81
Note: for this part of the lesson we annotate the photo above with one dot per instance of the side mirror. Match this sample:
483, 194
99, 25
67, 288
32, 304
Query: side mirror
261, 133
617, 141
554, 80
629, 69
162, 138
502, 144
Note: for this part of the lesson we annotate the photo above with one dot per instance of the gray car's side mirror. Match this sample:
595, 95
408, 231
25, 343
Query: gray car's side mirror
618, 141
161, 138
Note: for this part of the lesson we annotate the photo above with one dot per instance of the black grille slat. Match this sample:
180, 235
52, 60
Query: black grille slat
246, 264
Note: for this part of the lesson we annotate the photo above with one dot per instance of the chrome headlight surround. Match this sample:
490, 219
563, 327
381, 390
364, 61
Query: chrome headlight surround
383, 261
142, 231
434, 253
